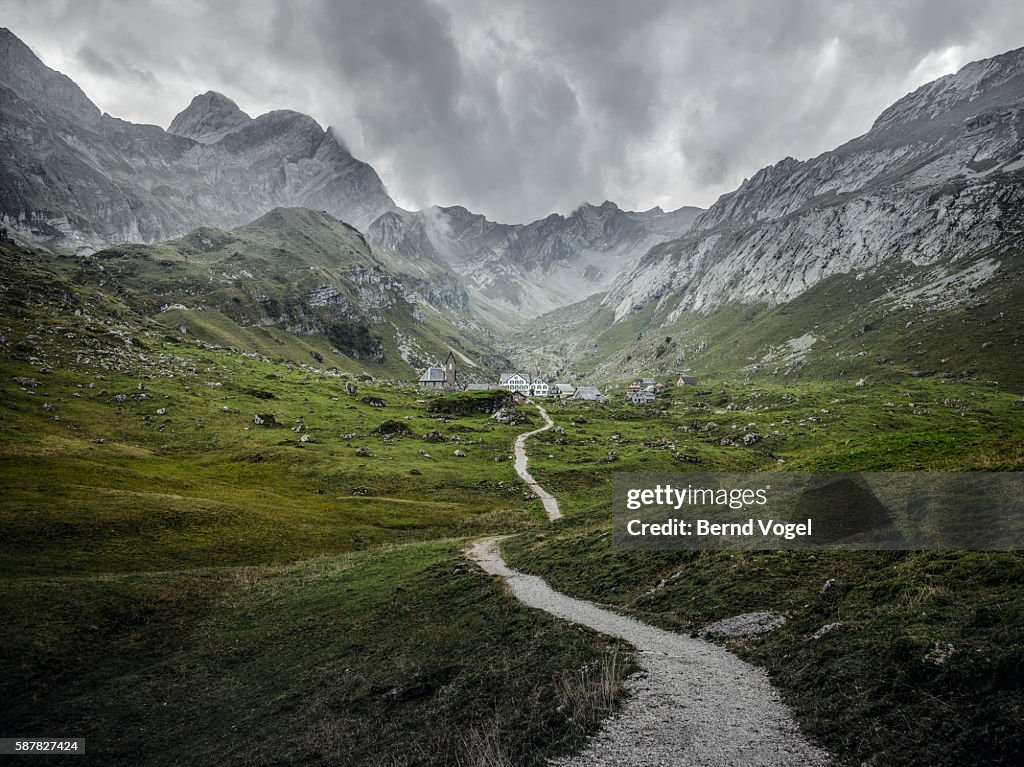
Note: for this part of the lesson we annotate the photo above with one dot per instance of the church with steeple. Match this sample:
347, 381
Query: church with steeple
441, 379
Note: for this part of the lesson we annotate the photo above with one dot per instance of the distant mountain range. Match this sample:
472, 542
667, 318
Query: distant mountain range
898, 251
81, 180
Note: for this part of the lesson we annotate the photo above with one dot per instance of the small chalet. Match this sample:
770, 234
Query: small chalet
514, 382
642, 383
441, 379
589, 393
686, 381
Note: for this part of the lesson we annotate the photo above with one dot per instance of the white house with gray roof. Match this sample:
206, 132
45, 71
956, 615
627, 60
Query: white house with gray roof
515, 382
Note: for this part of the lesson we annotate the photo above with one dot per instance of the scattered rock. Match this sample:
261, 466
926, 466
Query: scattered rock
161, 411
510, 416
433, 436
828, 628
460, 454
266, 420
940, 654
374, 401
362, 451
752, 438
828, 585
351, 389
747, 624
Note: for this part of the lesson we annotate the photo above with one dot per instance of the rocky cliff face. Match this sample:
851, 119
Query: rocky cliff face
83, 180
937, 180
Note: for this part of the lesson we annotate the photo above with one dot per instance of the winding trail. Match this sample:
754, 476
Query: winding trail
693, 703
550, 504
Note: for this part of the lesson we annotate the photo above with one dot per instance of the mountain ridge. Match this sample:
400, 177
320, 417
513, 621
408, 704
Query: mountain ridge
88, 183
922, 188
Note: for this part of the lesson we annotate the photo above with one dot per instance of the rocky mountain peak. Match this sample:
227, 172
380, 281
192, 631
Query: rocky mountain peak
209, 118
23, 72
971, 83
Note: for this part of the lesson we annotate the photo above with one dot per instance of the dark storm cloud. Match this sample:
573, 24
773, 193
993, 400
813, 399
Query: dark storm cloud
518, 109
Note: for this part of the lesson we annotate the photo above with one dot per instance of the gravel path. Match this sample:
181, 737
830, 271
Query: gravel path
550, 504
692, 704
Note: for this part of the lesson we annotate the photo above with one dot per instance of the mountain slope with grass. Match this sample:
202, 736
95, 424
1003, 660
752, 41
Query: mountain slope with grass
295, 283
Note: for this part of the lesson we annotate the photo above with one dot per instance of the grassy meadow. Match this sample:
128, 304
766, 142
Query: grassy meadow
183, 583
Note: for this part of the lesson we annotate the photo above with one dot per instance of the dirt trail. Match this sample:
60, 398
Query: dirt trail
550, 504
693, 703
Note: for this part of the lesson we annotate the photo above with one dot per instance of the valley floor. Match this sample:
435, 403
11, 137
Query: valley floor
182, 577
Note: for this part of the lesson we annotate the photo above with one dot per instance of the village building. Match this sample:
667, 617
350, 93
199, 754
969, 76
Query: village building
479, 387
686, 381
642, 397
515, 382
589, 393
642, 383
539, 388
441, 379
562, 391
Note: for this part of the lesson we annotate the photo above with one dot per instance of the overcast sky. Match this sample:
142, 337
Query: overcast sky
517, 109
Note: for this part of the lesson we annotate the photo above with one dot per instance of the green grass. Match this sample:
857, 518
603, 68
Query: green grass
400, 656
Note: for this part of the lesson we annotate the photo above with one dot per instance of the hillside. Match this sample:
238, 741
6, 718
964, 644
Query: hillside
295, 284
